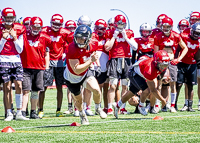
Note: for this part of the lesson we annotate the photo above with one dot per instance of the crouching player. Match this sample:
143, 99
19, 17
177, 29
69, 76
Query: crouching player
143, 76
80, 55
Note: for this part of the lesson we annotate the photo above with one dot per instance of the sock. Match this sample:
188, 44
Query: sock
141, 104
84, 105
88, 107
199, 101
97, 106
186, 102
18, 100
41, 109
69, 105
173, 99
58, 109
151, 108
119, 103
109, 105
32, 111
12, 106
123, 105
19, 112
157, 104
8, 110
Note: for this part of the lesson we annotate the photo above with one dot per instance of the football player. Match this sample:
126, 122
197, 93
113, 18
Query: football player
58, 37
26, 23
80, 55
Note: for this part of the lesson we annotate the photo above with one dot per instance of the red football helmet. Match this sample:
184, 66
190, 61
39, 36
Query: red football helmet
56, 22
8, 16
36, 25
26, 22
194, 17
100, 27
120, 22
159, 19
167, 25
183, 24
161, 59
70, 25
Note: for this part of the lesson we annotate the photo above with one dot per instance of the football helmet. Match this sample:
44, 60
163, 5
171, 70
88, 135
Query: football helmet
194, 17
111, 22
82, 36
167, 25
56, 22
26, 22
36, 25
182, 25
161, 59
8, 16
100, 27
145, 30
84, 20
70, 25
120, 22
195, 30
159, 19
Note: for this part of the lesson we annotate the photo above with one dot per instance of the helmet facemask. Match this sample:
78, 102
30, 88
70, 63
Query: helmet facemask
166, 28
120, 25
35, 29
100, 30
81, 41
55, 26
162, 65
8, 20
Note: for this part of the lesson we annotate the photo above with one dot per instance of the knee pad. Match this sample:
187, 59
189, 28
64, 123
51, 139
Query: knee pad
34, 95
113, 81
125, 82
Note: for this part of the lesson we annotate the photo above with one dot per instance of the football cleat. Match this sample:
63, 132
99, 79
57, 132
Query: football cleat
9, 117
59, 114
101, 113
173, 110
69, 111
89, 112
76, 113
116, 110
41, 114
33, 115
110, 111
19, 116
142, 110
185, 108
84, 120
124, 111
198, 107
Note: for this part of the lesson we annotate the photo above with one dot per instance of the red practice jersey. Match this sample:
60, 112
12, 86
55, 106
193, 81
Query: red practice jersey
145, 46
33, 55
59, 43
121, 48
155, 31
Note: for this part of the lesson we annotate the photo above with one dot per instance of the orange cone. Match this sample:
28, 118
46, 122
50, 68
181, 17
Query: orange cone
158, 118
8, 129
75, 124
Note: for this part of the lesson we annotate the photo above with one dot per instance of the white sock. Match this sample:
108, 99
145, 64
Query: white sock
186, 102
141, 104
84, 105
9, 110
18, 100
19, 112
157, 102
199, 101
97, 106
119, 103
123, 105
109, 105
173, 98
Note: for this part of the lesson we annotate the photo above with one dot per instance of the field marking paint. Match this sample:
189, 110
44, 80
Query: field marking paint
109, 132
114, 121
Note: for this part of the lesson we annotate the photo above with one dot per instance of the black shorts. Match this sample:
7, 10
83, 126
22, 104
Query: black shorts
137, 82
115, 68
102, 78
187, 73
54, 72
33, 79
11, 71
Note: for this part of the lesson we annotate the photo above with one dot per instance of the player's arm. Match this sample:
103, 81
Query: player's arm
19, 42
132, 43
47, 58
156, 48
109, 44
152, 87
79, 68
185, 50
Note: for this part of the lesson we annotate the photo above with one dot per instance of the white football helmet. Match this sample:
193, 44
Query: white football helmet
84, 20
145, 27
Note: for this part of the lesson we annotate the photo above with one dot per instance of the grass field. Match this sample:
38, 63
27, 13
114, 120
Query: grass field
176, 127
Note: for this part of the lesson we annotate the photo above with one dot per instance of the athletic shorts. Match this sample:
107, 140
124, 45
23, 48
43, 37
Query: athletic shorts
33, 80
11, 71
115, 68
187, 73
102, 78
173, 72
51, 73
137, 82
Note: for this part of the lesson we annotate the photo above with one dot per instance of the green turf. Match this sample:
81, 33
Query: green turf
176, 127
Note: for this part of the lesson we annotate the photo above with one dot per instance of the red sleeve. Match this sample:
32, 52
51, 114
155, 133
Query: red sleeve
156, 40
73, 52
108, 34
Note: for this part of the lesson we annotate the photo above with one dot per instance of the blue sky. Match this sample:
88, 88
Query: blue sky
138, 11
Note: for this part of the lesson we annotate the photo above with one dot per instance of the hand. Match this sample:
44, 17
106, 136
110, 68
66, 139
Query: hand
5, 33
13, 33
175, 61
98, 71
116, 32
94, 57
166, 80
124, 34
